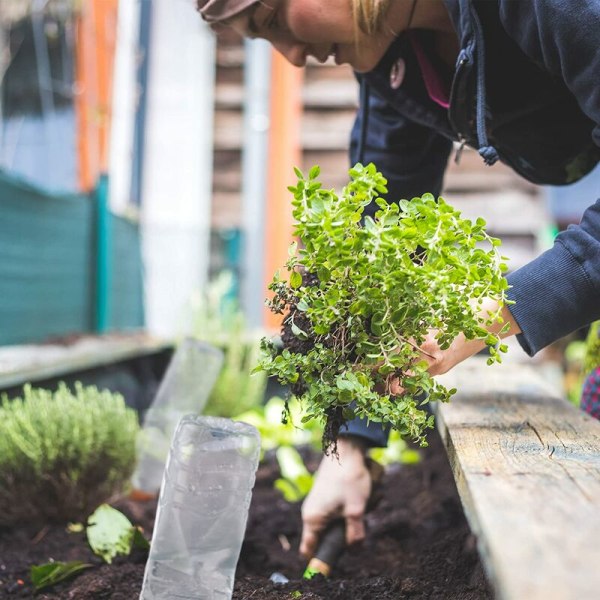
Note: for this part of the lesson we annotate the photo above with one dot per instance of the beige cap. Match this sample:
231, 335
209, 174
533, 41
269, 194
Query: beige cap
214, 11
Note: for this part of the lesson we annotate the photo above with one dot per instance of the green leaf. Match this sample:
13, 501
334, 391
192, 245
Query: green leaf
299, 333
139, 541
109, 533
295, 280
48, 574
296, 480
323, 274
302, 305
289, 491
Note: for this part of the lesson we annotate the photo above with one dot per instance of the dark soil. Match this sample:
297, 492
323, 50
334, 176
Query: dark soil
418, 547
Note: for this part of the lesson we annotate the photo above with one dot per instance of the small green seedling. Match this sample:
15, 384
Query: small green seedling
110, 533
43, 576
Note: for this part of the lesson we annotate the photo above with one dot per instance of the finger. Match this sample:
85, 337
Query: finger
355, 529
395, 388
309, 540
354, 514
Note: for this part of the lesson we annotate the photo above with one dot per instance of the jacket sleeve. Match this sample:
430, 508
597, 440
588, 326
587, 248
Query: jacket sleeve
413, 159
559, 292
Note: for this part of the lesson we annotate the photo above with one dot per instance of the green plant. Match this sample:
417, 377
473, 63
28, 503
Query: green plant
63, 453
110, 533
592, 353
296, 480
361, 297
396, 452
276, 422
43, 576
219, 321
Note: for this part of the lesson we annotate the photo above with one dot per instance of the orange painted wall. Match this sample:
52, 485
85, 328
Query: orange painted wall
285, 153
96, 39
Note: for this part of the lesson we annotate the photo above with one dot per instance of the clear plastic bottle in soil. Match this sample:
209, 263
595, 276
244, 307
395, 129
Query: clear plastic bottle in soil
202, 510
185, 389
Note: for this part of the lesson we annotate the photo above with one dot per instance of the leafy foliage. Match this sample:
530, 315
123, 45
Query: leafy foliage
397, 451
43, 576
62, 453
592, 354
111, 533
381, 285
296, 480
274, 433
219, 321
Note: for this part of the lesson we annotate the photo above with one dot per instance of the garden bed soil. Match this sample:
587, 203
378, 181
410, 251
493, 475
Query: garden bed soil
418, 546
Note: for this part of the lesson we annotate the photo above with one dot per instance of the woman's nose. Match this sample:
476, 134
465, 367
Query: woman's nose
294, 52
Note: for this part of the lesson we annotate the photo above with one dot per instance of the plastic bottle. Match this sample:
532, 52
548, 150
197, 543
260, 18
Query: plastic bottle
202, 510
184, 389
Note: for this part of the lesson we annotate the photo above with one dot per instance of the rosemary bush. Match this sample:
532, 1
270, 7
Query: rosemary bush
63, 453
362, 296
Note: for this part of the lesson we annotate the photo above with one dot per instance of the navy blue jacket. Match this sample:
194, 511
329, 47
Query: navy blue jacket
526, 91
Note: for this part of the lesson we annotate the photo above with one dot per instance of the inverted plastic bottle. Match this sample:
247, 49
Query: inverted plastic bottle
185, 389
202, 510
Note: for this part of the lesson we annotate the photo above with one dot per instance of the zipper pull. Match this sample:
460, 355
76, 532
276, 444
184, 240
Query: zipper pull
460, 149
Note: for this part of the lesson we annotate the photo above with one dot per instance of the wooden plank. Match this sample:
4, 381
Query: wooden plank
25, 364
527, 467
318, 94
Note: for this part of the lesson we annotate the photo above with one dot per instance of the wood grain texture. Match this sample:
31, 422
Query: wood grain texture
527, 467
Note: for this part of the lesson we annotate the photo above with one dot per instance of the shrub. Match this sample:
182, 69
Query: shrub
63, 453
219, 321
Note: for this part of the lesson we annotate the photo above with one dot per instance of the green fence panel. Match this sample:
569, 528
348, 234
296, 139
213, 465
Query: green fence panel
126, 284
46, 275
48, 265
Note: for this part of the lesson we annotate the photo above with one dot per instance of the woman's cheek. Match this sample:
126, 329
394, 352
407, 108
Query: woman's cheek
316, 21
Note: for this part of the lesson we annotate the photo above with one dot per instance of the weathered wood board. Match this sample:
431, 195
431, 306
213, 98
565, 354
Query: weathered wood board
527, 467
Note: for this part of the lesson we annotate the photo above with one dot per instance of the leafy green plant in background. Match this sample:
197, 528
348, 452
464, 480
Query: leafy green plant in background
574, 373
362, 297
296, 480
285, 437
278, 425
219, 321
63, 453
581, 357
592, 351
396, 452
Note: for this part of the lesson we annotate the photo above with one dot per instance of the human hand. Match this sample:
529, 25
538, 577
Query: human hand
341, 488
441, 361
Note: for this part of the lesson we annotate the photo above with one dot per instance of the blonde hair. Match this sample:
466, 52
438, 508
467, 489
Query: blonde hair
369, 15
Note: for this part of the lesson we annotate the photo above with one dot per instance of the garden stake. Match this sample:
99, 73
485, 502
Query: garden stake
333, 541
